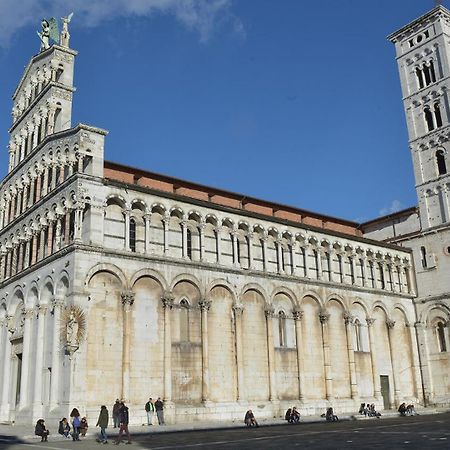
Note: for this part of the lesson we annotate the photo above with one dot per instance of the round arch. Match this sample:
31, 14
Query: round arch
110, 268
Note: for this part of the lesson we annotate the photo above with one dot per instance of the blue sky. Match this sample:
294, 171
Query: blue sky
292, 101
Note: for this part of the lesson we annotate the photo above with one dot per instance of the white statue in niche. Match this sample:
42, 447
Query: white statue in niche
73, 328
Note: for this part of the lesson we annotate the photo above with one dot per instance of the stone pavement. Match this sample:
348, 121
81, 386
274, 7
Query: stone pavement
25, 433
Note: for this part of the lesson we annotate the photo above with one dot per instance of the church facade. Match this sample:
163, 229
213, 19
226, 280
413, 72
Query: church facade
119, 282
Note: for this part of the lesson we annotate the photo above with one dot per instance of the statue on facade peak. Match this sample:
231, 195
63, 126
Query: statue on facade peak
65, 35
48, 32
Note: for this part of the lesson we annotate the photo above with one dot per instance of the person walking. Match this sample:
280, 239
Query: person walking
159, 407
102, 422
115, 413
123, 420
150, 410
76, 422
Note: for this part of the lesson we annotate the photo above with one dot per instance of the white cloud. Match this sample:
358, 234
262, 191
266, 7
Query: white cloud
395, 206
200, 16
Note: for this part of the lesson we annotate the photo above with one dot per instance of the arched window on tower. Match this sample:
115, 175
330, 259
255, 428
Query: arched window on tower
184, 321
340, 268
429, 119
189, 243
352, 271
238, 246
432, 72
133, 235
437, 115
282, 328
440, 162
419, 76
440, 331
423, 259
426, 73
381, 272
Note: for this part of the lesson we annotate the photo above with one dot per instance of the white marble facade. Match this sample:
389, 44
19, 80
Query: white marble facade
186, 293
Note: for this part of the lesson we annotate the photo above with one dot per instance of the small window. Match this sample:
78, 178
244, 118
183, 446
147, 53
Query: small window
341, 273
429, 119
423, 254
440, 161
432, 72
352, 272
419, 76
437, 114
282, 328
441, 337
238, 247
382, 282
283, 263
132, 235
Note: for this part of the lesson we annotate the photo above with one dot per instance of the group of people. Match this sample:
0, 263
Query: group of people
78, 425
369, 410
155, 407
292, 415
407, 410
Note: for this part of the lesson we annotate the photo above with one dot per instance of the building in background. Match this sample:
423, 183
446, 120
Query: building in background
119, 282
423, 56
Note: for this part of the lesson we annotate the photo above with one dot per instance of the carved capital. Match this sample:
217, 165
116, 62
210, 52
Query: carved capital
167, 299
204, 305
28, 313
57, 302
238, 309
269, 311
298, 314
370, 321
323, 317
127, 298
419, 324
390, 324
348, 318
41, 309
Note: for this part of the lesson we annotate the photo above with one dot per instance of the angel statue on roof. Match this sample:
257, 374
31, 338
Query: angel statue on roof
65, 36
49, 31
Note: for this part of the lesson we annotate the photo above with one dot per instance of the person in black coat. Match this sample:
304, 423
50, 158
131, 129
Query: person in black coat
41, 431
123, 419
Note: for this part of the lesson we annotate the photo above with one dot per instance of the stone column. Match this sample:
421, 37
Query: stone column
269, 311
218, 231
57, 305
415, 366
373, 360
279, 256
39, 359
78, 223
27, 253
167, 300
293, 259
51, 120
44, 188
305, 260
353, 269
234, 241
127, 302
25, 358
264, 251
201, 230
3, 339
166, 222
147, 233
2, 265
24, 198
126, 215
324, 317
319, 264
31, 193
424, 354
395, 375
364, 270
204, 308
330, 263
238, 310
348, 318
49, 242
58, 234
183, 224
410, 278
6, 373
298, 316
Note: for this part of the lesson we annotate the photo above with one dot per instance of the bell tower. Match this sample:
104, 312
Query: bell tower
423, 57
